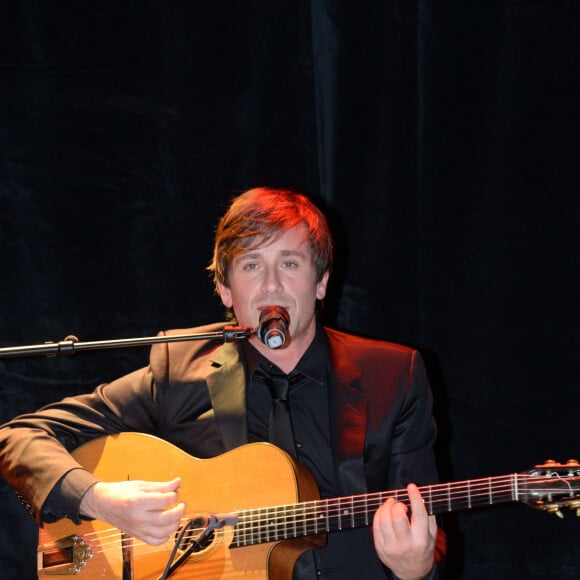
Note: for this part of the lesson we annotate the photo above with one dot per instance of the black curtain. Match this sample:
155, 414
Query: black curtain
449, 150
442, 139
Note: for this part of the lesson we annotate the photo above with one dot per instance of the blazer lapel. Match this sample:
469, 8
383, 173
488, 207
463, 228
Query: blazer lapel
226, 383
348, 418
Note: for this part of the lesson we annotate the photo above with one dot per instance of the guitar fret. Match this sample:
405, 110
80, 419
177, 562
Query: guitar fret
313, 519
366, 511
241, 533
352, 513
300, 513
267, 531
469, 494
253, 535
271, 524
263, 525
317, 517
248, 533
283, 514
291, 523
309, 521
360, 518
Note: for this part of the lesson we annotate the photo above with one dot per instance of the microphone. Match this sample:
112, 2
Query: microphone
273, 328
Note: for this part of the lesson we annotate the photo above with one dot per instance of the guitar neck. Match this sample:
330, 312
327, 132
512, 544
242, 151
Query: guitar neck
277, 523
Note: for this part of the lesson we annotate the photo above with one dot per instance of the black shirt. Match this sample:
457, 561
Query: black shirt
308, 399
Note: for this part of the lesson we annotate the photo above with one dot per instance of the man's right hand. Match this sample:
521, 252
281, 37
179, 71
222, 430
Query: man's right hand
146, 510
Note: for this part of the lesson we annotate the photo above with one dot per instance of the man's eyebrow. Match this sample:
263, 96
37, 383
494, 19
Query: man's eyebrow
292, 253
249, 254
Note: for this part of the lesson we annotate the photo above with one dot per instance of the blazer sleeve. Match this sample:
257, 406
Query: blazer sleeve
34, 448
412, 456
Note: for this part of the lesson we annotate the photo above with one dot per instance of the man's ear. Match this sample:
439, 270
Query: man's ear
225, 295
321, 286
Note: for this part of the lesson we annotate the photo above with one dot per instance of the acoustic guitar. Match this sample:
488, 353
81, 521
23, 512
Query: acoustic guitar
256, 511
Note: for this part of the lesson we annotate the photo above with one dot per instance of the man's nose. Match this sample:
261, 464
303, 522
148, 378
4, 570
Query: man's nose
271, 282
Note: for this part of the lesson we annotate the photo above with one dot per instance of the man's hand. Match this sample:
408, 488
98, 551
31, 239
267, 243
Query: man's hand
405, 544
143, 509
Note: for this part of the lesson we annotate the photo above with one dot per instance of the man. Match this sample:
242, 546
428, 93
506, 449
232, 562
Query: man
361, 417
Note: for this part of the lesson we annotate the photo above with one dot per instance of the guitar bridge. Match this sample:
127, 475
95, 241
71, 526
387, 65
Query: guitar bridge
65, 557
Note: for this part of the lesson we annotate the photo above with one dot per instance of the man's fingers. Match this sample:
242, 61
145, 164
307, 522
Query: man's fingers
399, 515
161, 486
159, 495
418, 508
158, 525
155, 500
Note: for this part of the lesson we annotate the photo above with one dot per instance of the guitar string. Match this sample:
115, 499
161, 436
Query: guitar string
347, 508
438, 493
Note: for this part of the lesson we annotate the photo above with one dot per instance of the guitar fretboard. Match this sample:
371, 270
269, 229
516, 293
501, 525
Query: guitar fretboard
277, 523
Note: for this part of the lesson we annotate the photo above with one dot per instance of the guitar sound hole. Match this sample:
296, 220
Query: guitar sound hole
194, 534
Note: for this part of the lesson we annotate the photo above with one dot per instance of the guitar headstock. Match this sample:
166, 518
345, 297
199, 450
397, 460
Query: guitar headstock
552, 486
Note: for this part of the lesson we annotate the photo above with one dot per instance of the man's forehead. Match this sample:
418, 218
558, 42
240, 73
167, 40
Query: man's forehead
286, 243
257, 252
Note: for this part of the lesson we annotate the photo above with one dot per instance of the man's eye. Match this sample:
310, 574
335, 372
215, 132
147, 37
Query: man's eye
250, 266
289, 264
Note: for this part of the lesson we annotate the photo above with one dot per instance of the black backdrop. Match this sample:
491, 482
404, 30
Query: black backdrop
441, 137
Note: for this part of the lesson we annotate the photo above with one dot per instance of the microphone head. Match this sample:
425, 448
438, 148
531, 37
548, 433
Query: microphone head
273, 327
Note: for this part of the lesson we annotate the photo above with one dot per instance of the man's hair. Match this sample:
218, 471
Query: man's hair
259, 216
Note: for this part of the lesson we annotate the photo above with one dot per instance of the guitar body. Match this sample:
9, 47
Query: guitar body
252, 476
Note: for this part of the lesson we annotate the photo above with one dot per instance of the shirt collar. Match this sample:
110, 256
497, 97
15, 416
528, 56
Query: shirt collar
312, 364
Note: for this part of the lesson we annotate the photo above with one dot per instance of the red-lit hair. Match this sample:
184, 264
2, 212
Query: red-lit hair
258, 216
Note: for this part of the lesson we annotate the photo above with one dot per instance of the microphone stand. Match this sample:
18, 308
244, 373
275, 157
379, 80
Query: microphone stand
71, 345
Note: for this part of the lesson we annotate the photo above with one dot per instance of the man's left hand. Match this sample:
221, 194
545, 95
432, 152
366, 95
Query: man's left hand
405, 543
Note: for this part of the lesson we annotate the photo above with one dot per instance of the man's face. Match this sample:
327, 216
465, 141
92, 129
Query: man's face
280, 273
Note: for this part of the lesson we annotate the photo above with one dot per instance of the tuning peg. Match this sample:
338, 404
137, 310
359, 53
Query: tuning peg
572, 463
574, 505
554, 509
